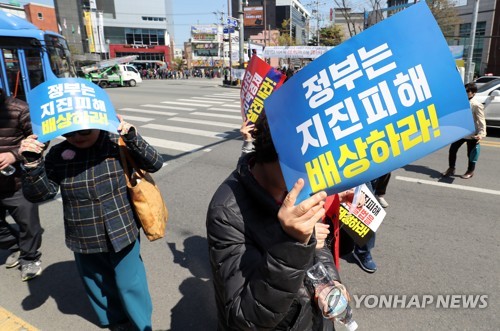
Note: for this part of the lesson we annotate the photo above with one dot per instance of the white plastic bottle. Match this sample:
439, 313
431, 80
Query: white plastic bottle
8, 170
331, 297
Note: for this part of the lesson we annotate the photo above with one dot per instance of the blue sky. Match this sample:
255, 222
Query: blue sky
186, 13
192, 12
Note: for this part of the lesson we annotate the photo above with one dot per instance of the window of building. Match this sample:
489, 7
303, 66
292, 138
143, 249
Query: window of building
145, 36
40, 16
154, 19
464, 33
144, 56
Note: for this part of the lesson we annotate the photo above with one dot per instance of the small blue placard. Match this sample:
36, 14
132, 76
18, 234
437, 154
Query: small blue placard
64, 105
377, 102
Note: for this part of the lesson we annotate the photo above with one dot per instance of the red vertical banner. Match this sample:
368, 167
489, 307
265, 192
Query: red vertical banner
259, 81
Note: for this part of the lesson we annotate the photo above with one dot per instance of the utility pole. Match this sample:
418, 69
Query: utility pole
221, 48
317, 15
242, 34
317, 22
468, 73
229, 14
265, 23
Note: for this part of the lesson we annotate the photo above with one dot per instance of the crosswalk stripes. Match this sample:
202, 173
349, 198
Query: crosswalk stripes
169, 107
206, 119
182, 103
230, 105
204, 122
146, 111
202, 133
137, 118
216, 115
202, 101
222, 97
209, 99
175, 145
225, 110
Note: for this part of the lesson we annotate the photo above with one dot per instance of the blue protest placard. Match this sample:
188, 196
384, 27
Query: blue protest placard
377, 102
64, 105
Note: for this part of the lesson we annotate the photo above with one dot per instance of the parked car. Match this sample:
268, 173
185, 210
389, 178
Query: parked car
489, 95
485, 79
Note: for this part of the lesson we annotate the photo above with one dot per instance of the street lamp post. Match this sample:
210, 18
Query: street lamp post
242, 34
230, 44
469, 74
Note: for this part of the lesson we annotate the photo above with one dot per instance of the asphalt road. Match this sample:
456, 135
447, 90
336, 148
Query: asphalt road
439, 237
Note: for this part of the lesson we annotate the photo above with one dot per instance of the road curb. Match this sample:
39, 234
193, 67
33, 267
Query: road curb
10, 322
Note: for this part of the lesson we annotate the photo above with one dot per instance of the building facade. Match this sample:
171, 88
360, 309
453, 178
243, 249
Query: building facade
262, 15
102, 29
298, 18
486, 55
42, 16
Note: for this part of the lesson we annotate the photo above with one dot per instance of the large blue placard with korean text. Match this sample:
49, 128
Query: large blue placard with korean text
64, 105
378, 101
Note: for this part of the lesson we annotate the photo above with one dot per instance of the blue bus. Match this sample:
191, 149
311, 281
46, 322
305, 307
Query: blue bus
30, 56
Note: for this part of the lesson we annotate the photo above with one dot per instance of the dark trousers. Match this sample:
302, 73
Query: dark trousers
370, 244
28, 238
473, 150
380, 184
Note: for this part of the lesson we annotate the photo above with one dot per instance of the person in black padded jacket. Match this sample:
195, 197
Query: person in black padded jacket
261, 245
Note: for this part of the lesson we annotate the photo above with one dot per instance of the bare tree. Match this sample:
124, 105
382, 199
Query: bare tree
444, 12
345, 8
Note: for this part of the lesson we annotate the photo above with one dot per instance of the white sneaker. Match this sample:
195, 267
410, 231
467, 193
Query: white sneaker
382, 201
31, 270
12, 260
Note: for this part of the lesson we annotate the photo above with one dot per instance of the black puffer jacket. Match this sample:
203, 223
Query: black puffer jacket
15, 125
258, 270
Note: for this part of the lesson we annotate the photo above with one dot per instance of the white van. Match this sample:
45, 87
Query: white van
130, 75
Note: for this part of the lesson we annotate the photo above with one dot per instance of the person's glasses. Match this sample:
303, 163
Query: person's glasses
79, 132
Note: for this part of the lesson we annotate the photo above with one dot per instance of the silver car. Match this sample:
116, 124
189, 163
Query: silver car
489, 95
485, 79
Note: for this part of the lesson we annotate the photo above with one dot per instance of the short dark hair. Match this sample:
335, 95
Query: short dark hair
471, 87
263, 142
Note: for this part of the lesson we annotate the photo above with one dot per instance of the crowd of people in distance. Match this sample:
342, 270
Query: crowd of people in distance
167, 73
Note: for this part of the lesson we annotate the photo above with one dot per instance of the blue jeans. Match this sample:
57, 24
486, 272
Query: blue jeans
365, 248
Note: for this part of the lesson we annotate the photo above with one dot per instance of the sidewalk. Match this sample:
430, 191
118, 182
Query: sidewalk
10, 322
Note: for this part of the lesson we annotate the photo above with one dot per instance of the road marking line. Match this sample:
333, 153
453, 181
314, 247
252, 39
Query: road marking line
220, 97
194, 132
175, 145
137, 119
202, 101
144, 111
209, 99
182, 103
195, 121
225, 109
9, 321
168, 107
490, 143
217, 115
454, 186
231, 105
